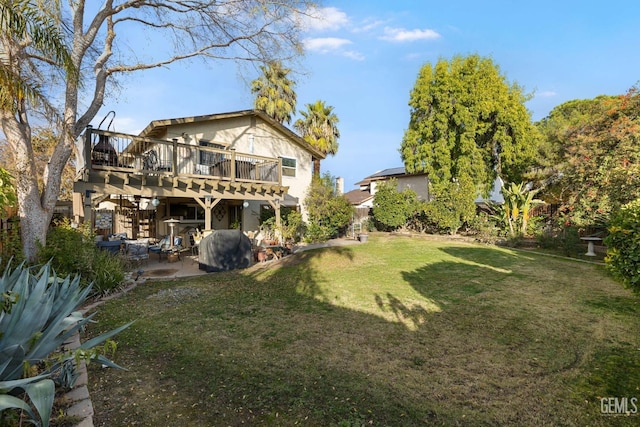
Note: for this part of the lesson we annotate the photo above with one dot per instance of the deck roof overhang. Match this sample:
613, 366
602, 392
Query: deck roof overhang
126, 183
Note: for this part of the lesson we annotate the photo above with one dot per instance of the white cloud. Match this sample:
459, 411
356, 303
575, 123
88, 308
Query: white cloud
353, 55
368, 25
332, 45
546, 94
402, 35
325, 44
322, 19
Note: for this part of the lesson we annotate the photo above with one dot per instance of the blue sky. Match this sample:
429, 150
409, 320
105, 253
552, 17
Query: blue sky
363, 58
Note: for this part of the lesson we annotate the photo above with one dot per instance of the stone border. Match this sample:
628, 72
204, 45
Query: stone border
79, 396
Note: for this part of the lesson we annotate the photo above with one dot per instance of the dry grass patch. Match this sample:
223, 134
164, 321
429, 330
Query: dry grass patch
398, 331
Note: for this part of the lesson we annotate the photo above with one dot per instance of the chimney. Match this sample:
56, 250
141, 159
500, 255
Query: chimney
340, 185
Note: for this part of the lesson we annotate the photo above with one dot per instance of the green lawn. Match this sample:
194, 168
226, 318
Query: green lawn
396, 332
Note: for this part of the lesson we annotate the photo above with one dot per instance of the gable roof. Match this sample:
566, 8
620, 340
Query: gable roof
357, 196
157, 127
386, 174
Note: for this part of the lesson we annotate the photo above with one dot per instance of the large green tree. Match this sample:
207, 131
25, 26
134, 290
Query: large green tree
274, 91
101, 48
592, 156
319, 127
468, 124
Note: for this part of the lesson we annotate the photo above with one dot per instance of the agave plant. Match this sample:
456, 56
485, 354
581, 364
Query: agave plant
38, 314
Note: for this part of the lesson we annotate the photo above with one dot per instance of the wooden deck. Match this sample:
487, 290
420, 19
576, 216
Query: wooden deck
117, 163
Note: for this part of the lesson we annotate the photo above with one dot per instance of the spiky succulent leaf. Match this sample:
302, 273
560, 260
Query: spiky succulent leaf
12, 402
41, 394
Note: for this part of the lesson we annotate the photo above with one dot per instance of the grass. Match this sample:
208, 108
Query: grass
396, 332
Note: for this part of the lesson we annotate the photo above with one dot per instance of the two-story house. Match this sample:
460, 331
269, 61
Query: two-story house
209, 172
362, 197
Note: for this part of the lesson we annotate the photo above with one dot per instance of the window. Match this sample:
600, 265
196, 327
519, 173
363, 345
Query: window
207, 157
187, 212
288, 166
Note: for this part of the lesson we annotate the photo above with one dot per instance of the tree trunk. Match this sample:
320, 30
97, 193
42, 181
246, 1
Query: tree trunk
316, 168
33, 226
35, 209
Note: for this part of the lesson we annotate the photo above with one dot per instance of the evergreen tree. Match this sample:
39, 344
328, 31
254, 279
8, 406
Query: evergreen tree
467, 124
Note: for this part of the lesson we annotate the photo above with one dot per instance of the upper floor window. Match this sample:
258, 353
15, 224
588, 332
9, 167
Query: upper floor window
288, 166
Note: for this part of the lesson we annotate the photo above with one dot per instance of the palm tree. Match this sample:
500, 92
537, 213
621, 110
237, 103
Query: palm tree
28, 31
319, 128
274, 92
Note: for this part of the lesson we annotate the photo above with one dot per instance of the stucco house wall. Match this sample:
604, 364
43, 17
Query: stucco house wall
417, 183
249, 133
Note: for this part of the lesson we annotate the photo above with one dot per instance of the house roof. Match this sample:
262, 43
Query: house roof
157, 127
357, 196
386, 174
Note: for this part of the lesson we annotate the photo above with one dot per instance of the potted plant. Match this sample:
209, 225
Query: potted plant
363, 235
268, 228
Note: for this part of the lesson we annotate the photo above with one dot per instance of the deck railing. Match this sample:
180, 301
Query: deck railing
107, 150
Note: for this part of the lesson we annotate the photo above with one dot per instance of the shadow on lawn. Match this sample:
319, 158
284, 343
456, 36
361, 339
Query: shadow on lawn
490, 257
268, 347
473, 271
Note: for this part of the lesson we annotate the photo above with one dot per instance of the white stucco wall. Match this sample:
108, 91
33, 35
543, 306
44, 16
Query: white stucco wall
418, 183
251, 135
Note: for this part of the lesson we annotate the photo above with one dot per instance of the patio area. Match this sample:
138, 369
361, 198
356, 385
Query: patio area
161, 268
187, 266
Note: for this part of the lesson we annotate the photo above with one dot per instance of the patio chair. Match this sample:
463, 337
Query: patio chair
162, 247
137, 251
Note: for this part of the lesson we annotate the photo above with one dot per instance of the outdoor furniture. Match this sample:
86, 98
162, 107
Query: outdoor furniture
111, 246
161, 247
137, 251
174, 253
590, 247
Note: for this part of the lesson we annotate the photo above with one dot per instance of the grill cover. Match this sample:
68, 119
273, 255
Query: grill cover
224, 250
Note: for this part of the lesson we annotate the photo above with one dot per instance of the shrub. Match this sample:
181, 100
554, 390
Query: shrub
10, 247
565, 238
73, 251
484, 228
452, 206
392, 208
318, 233
37, 315
623, 245
329, 212
570, 241
293, 227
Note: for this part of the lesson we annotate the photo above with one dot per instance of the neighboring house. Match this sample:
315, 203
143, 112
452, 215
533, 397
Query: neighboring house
362, 197
209, 172
495, 197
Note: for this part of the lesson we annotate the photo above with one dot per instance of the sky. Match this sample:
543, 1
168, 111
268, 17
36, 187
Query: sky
363, 58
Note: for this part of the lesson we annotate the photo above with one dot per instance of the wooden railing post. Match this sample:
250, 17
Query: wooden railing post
174, 160
233, 165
